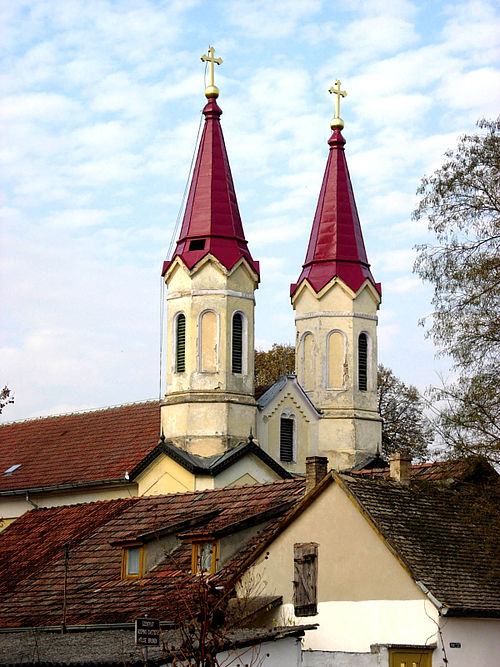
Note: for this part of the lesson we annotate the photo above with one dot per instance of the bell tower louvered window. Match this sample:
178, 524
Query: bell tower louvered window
237, 344
363, 362
286, 439
180, 344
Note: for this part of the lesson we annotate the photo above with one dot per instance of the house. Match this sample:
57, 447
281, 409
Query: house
113, 453
400, 565
372, 567
95, 568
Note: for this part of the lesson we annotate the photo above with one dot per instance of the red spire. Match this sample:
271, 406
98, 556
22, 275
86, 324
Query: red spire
212, 222
336, 245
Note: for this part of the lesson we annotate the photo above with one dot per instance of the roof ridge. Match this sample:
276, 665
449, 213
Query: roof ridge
83, 411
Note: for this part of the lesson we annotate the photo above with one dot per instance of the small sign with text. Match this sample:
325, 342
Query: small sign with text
147, 632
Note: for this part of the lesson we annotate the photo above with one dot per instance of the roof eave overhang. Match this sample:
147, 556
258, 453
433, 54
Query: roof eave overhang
121, 481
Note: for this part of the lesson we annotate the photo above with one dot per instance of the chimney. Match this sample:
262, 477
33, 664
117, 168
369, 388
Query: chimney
400, 467
316, 469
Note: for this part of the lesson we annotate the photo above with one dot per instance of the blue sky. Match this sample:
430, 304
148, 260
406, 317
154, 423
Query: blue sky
101, 106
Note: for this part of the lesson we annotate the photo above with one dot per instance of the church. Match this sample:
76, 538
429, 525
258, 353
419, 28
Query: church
211, 429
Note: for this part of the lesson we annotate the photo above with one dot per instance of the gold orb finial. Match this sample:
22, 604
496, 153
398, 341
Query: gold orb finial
211, 91
337, 123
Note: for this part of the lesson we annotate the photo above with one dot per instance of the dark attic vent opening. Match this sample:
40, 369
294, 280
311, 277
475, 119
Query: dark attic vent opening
286, 439
197, 244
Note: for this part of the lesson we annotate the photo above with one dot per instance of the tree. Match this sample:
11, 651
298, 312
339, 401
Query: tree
5, 398
461, 201
405, 426
271, 364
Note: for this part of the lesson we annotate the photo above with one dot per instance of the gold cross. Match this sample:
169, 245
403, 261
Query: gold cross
211, 90
337, 120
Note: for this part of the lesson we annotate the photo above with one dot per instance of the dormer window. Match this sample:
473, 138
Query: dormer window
132, 561
204, 557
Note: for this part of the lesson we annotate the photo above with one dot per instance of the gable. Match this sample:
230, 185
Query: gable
248, 470
354, 563
164, 475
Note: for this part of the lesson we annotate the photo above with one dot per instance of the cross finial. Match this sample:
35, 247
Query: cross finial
211, 91
337, 122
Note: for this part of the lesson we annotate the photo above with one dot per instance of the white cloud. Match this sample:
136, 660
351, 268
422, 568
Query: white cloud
262, 19
375, 36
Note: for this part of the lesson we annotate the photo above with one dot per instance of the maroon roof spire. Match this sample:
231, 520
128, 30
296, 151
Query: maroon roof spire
212, 222
336, 246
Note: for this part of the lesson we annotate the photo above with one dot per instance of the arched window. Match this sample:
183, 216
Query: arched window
308, 361
363, 362
180, 343
208, 351
287, 437
238, 343
336, 359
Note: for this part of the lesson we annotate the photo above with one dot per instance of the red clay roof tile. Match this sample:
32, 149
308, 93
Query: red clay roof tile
32, 573
78, 448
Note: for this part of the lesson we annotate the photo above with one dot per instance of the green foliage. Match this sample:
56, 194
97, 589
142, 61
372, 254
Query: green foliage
404, 424
461, 202
271, 364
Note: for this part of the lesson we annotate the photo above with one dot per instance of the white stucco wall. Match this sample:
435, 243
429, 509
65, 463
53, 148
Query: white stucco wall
284, 652
355, 626
479, 639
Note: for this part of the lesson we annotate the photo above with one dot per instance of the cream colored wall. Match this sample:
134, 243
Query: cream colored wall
355, 568
288, 403
207, 412
164, 475
12, 507
248, 470
350, 429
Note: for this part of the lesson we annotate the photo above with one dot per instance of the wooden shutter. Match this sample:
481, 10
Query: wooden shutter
286, 439
180, 344
362, 362
237, 345
305, 599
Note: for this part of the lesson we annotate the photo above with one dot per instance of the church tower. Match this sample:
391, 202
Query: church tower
211, 278
336, 301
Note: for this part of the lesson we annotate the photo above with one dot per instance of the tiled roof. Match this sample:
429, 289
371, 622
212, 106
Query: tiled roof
266, 397
32, 567
439, 471
213, 465
448, 539
212, 218
78, 448
336, 246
